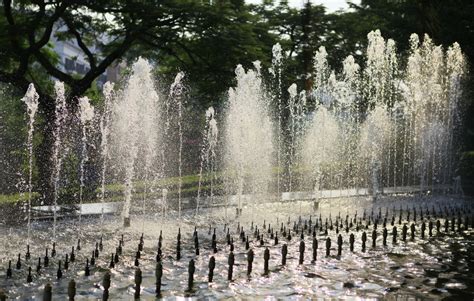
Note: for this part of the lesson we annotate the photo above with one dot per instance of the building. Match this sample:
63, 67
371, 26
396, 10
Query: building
74, 61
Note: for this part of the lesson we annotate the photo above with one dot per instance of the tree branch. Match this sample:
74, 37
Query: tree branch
36, 21
13, 36
14, 79
80, 42
59, 11
167, 49
51, 69
83, 84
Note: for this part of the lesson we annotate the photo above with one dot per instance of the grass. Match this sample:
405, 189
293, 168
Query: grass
166, 182
185, 192
114, 191
16, 197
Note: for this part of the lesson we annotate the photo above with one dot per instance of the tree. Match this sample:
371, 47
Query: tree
300, 32
221, 36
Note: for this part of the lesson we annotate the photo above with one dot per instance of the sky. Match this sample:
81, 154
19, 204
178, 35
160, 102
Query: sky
331, 5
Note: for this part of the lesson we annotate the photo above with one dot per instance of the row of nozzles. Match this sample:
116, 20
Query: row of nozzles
454, 219
250, 258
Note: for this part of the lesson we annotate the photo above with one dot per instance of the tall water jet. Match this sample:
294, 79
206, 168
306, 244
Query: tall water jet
347, 96
31, 101
320, 148
248, 136
164, 202
323, 131
296, 125
212, 139
148, 143
374, 138
435, 135
276, 72
86, 114
208, 154
301, 123
104, 141
60, 118
379, 85
293, 93
165, 145
397, 144
177, 98
136, 116
321, 76
381, 65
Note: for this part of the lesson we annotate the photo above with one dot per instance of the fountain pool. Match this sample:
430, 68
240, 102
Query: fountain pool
348, 190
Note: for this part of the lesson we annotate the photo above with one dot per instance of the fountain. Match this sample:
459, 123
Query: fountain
86, 115
248, 134
320, 148
31, 101
135, 128
276, 73
373, 141
176, 95
401, 133
371, 154
61, 115
208, 155
292, 124
104, 141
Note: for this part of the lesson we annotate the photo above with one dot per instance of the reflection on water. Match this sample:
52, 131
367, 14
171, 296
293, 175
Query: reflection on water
433, 267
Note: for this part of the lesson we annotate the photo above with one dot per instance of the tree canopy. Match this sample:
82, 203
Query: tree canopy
207, 39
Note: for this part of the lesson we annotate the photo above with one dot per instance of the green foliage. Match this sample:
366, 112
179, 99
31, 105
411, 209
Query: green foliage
208, 46
466, 170
16, 197
444, 21
300, 32
13, 132
465, 165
